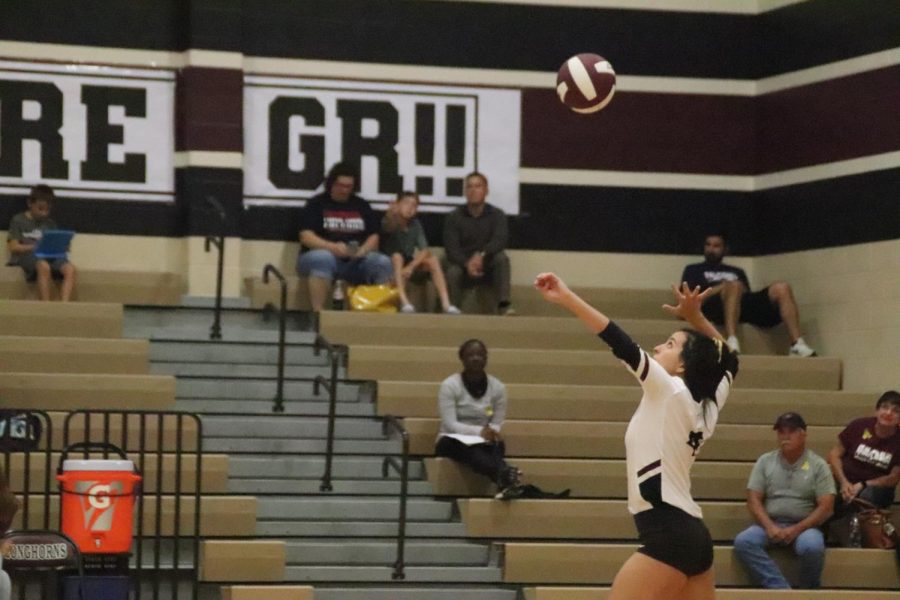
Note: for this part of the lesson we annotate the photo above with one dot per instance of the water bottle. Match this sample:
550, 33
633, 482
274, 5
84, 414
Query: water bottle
353, 248
855, 534
337, 295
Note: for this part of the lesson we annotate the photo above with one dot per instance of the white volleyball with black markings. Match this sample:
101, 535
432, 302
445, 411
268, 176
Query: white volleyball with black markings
586, 83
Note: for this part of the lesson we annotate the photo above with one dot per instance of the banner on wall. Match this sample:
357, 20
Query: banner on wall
87, 131
399, 137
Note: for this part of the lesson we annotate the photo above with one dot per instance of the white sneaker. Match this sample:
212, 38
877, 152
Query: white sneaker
733, 343
452, 310
801, 349
408, 309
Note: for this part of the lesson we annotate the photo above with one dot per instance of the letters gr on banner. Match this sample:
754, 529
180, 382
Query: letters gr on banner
399, 136
88, 131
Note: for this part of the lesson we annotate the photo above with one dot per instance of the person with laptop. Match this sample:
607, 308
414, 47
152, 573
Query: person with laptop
41, 260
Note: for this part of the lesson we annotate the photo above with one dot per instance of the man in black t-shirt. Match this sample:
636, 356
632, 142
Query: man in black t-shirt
733, 302
339, 238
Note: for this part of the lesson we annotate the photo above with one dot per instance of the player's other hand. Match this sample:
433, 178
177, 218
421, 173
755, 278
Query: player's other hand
552, 288
688, 301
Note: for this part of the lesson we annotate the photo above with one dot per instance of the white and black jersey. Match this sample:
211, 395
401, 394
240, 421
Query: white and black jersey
666, 431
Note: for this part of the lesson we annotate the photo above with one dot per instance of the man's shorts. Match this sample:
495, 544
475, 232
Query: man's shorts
673, 537
756, 308
28, 262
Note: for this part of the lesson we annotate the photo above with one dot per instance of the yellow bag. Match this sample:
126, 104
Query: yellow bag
373, 298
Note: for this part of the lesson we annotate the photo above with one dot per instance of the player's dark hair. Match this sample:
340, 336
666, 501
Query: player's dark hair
41, 193
889, 397
340, 169
705, 362
470, 342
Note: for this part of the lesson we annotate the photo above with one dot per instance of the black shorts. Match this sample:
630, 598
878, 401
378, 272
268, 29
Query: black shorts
756, 308
28, 262
673, 537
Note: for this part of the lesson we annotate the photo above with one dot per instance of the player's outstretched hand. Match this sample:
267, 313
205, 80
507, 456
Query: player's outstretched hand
551, 287
688, 301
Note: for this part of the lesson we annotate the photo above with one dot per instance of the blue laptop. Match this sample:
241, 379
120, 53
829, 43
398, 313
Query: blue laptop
54, 243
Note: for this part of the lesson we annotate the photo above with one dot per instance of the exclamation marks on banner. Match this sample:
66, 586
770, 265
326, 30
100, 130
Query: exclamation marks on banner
425, 145
454, 145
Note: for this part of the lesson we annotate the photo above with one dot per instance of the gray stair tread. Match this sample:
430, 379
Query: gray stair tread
260, 389
350, 508
381, 552
280, 426
386, 487
289, 446
285, 529
237, 370
313, 467
264, 406
374, 573
233, 352
229, 334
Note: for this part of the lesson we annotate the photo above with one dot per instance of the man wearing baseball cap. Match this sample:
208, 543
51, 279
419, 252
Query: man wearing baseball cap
790, 494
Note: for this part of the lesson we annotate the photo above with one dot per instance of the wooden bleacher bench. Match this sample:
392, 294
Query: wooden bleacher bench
552, 402
58, 319
39, 355
603, 439
549, 332
585, 367
73, 391
581, 519
602, 593
123, 287
573, 563
272, 592
220, 516
242, 560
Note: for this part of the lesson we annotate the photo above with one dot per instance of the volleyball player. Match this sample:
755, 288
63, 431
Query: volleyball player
685, 384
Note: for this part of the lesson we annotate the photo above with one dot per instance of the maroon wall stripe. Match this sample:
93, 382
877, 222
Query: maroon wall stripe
209, 109
839, 119
678, 133
833, 120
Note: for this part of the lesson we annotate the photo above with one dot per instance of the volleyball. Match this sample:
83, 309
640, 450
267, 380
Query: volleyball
586, 83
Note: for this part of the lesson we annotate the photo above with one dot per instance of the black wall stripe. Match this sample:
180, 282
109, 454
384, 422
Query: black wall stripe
469, 34
836, 212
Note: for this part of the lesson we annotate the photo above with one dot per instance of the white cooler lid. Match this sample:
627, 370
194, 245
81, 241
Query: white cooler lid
98, 465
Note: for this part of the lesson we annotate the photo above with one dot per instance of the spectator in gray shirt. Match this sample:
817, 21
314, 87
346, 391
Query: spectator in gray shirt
789, 495
473, 406
475, 237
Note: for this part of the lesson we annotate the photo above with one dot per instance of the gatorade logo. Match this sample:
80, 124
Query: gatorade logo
97, 503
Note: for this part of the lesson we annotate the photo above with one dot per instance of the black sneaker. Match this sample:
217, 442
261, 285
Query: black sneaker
512, 492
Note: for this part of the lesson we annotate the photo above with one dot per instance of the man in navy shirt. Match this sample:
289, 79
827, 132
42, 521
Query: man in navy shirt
339, 235
733, 302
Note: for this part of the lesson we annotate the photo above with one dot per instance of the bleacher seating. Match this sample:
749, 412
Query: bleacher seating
123, 287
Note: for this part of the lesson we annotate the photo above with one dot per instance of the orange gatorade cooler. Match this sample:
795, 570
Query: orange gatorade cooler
97, 497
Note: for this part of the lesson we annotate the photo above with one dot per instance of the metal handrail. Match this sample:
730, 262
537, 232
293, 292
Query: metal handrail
282, 316
215, 332
331, 387
391, 422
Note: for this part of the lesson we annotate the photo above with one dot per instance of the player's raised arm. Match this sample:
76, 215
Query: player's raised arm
555, 290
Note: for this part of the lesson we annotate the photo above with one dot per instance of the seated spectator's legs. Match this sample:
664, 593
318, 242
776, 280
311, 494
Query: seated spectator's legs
320, 267
484, 459
43, 277
810, 547
750, 547
732, 293
372, 269
455, 276
397, 263
433, 266
782, 296
69, 275
499, 271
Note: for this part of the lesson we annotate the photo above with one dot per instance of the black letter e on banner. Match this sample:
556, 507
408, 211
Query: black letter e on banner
101, 133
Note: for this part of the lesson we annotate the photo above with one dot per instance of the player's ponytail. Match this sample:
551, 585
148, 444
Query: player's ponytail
705, 362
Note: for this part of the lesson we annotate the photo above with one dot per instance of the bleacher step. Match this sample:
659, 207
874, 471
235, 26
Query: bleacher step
383, 574
258, 406
285, 426
405, 592
382, 487
344, 468
349, 508
260, 389
233, 445
218, 369
234, 352
283, 529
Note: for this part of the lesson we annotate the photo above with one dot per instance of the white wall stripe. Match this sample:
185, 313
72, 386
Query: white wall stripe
743, 7
198, 158
725, 183
259, 65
